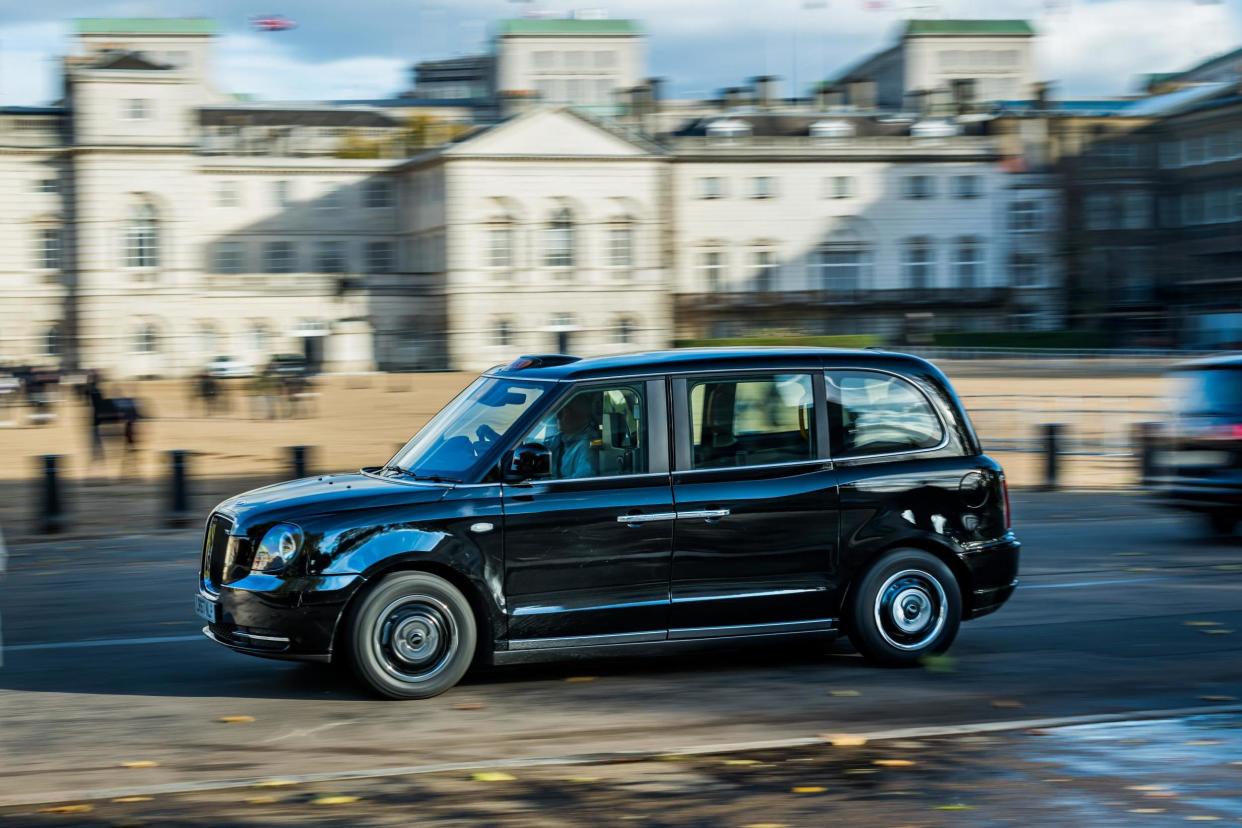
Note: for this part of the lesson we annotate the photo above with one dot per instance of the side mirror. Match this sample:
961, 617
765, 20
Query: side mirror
529, 461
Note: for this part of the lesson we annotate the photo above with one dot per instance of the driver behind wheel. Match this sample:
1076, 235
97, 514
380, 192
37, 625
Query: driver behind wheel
573, 455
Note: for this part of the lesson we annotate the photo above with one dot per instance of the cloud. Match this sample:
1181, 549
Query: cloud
256, 65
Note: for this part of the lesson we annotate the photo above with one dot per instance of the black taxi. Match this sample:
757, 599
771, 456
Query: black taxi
629, 504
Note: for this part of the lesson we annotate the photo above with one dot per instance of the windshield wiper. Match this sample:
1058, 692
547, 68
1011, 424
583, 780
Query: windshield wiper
433, 478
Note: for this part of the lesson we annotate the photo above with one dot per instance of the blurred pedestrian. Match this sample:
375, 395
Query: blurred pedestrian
97, 403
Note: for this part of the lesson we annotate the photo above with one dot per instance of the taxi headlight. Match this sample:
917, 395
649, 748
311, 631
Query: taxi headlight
278, 547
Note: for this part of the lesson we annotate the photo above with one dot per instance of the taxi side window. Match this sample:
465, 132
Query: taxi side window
596, 432
752, 420
874, 413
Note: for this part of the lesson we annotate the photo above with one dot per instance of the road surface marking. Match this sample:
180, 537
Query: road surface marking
1077, 584
103, 642
917, 732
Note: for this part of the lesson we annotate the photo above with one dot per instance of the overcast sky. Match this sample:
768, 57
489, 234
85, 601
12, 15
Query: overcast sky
362, 48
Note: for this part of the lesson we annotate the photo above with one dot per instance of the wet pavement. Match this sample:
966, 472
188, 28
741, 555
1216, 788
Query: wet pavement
1160, 772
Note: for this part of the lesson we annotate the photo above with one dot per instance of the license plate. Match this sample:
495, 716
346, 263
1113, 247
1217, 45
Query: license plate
205, 609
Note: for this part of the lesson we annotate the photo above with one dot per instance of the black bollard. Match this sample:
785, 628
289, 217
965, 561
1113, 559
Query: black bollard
298, 456
179, 488
50, 518
1052, 456
1146, 436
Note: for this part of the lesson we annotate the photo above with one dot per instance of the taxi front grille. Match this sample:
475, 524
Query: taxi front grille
215, 547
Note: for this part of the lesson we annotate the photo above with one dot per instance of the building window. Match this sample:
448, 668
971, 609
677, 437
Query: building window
1217, 206
1025, 271
51, 340
142, 237
1024, 216
378, 193
227, 194
331, 199
839, 186
137, 109
1171, 154
1099, 208
48, 253
504, 333
918, 187
278, 257
764, 271
967, 186
840, 268
711, 265
711, 187
763, 186
146, 339
330, 256
500, 245
1195, 150
282, 193
559, 240
48, 186
1136, 210
918, 263
379, 257
968, 261
545, 60
624, 331
605, 59
621, 245
227, 257
1193, 208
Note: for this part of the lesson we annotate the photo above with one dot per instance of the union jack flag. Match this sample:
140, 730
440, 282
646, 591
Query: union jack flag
272, 23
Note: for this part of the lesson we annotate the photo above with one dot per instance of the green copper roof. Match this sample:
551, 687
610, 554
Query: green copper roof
968, 27
566, 26
146, 25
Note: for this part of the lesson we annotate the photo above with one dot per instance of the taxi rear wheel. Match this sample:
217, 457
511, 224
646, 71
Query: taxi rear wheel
906, 607
412, 636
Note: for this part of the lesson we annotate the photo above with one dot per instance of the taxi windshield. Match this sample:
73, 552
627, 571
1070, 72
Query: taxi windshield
465, 430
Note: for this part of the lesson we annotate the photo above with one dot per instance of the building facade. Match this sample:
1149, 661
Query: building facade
153, 223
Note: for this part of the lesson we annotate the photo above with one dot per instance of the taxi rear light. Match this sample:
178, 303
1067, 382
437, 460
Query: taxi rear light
1008, 512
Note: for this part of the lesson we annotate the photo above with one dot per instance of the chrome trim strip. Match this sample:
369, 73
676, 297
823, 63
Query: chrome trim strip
763, 594
823, 464
703, 513
275, 639
814, 625
648, 518
587, 640
573, 480
544, 609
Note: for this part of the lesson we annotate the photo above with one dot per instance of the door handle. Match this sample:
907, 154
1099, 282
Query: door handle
637, 518
710, 515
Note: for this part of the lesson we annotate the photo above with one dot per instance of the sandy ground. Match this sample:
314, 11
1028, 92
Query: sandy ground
354, 421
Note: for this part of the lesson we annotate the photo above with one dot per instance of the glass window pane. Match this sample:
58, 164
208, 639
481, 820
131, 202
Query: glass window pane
597, 432
880, 414
752, 421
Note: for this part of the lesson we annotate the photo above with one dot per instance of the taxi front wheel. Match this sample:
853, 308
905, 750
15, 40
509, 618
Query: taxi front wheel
905, 607
412, 636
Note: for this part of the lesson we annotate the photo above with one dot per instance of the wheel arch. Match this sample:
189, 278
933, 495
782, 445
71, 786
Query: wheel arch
961, 573
485, 640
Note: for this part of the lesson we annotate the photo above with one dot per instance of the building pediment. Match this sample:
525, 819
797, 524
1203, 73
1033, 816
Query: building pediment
552, 132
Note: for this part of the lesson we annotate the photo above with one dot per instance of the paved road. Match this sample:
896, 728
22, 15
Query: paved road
1121, 608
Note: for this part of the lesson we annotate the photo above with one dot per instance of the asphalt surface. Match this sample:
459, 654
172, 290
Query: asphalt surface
106, 686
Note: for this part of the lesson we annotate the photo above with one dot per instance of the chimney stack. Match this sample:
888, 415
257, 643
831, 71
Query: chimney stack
765, 92
828, 97
862, 94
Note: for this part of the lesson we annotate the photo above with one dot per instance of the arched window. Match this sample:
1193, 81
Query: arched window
142, 243
146, 339
625, 329
504, 333
559, 240
918, 262
621, 244
842, 262
500, 244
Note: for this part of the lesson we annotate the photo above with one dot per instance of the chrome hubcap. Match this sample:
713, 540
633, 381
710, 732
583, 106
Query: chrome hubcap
910, 609
415, 637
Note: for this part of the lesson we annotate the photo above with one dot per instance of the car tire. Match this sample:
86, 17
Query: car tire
412, 636
905, 607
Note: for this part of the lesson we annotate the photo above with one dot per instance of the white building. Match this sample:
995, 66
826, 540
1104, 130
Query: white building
938, 62
151, 223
